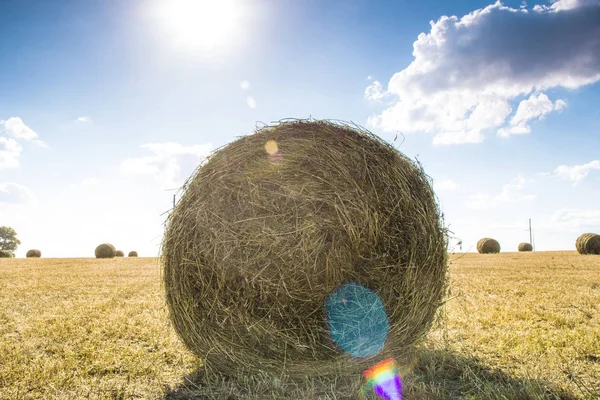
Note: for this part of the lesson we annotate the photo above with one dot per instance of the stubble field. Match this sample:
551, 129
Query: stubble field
516, 326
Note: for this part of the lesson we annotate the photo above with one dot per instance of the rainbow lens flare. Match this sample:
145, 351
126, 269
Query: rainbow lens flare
385, 380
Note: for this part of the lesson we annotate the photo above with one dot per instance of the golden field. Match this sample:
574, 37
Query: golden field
515, 326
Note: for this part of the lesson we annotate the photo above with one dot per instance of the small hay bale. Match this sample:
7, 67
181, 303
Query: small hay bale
105, 250
132, 254
488, 246
525, 247
274, 222
33, 253
588, 243
5, 254
119, 253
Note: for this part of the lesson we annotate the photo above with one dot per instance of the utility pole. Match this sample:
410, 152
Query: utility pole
530, 235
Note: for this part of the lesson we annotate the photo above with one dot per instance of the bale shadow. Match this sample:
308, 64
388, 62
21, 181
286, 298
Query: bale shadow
430, 375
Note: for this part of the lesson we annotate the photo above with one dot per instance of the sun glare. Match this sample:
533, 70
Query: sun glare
205, 24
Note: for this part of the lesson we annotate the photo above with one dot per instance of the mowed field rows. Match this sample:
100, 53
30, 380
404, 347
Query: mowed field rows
516, 326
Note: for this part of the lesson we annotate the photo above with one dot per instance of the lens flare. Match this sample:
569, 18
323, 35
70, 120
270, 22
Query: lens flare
384, 379
271, 147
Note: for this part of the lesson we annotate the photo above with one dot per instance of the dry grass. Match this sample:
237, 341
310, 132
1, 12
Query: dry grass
518, 326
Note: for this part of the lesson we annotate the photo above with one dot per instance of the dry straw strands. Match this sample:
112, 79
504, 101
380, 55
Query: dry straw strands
488, 245
132, 254
588, 243
525, 247
33, 253
105, 250
274, 222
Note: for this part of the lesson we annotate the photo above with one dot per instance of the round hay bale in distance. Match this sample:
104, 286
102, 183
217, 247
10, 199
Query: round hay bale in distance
525, 247
105, 250
588, 243
33, 253
5, 254
276, 221
488, 246
119, 253
132, 254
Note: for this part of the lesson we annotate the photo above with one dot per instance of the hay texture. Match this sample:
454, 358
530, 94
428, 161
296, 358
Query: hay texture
274, 222
132, 254
588, 243
119, 253
5, 254
105, 250
33, 253
525, 247
488, 246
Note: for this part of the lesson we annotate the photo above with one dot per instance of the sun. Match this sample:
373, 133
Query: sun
205, 24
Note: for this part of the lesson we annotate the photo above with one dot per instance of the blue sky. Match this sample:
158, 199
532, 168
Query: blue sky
104, 105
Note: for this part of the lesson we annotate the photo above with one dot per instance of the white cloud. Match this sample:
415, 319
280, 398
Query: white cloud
12, 193
369, 77
467, 71
84, 119
245, 85
374, 92
10, 151
164, 162
16, 128
536, 107
576, 173
572, 219
251, 102
447, 184
511, 192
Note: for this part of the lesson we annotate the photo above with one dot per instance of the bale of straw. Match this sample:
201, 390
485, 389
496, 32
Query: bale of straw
5, 254
105, 250
588, 243
33, 253
119, 253
488, 245
132, 254
525, 247
274, 222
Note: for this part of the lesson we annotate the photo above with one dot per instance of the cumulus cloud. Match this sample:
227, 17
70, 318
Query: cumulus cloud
16, 128
10, 151
374, 92
467, 71
536, 107
444, 185
251, 102
511, 192
573, 220
164, 163
12, 193
576, 173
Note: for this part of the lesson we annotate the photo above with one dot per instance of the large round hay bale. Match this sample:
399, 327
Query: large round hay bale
488, 245
33, 253
119, 253
132, 254
274, 222
105, 250
525, 247
588, 243
5, 254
